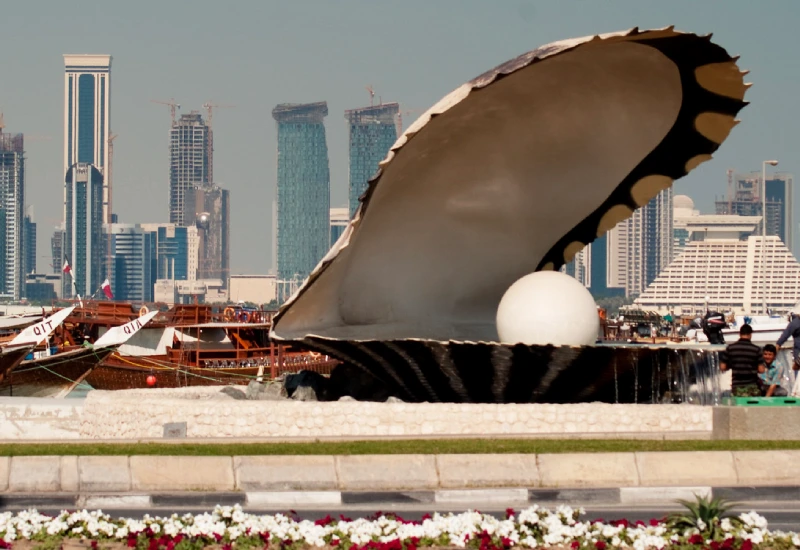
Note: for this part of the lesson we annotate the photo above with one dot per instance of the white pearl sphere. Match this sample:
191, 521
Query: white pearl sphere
548, 307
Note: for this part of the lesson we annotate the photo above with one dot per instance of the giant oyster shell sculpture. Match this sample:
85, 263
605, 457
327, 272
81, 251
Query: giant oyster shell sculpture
514, 172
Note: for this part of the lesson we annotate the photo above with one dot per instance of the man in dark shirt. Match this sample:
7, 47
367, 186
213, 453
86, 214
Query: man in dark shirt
743, 358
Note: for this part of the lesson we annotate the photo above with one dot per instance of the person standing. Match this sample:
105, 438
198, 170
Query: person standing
793, 330
742, 358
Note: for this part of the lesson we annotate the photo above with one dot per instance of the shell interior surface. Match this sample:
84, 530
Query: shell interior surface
513, 172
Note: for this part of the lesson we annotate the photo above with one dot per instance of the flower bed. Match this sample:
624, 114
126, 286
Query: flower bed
230, 527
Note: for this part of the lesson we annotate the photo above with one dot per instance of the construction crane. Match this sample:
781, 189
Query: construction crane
400, 118
110, 176
731, 191
209, 107
172, 107
371, 95
109, 180
27, 137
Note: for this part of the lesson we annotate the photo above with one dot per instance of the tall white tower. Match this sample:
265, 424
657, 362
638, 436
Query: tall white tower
87, 117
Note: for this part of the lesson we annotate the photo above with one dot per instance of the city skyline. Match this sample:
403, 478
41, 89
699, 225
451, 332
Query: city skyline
254, 71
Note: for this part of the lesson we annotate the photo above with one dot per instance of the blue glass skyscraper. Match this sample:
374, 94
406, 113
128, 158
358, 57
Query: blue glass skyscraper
84, 244
303, 205
87, 196
373, 131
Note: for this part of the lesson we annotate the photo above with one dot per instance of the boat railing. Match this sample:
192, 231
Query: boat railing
111, 312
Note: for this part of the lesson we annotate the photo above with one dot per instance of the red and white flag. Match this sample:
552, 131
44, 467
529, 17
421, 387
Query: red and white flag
67, 269
106, 286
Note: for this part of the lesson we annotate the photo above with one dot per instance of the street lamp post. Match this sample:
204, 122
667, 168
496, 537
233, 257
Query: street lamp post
764, 230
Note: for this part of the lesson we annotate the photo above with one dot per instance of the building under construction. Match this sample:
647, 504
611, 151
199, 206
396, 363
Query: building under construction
189, 162
745, 199
208, 207
303, 201
12, 202
373, 131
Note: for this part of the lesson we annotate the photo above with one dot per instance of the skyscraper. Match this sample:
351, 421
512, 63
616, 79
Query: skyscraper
175, 251
87, 117
303, 192
744, 199
189, 162
132, 259
637, 249
57, 249
84, 243
12, 204
208, 207
373, 131
29, 238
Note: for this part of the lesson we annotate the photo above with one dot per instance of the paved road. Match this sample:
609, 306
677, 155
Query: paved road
782, 515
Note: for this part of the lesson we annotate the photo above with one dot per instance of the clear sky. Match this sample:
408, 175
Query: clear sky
255, 54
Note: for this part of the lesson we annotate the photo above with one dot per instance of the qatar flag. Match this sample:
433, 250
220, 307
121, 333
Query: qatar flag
67, 269
106, 286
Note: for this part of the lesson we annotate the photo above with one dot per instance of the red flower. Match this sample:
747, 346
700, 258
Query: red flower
624, 523
696, 539
654, 523
727, 543
335, 542
327, 520
600, 545
94, 545
132, 542
426, 516
575, 544
747, 545
510, 512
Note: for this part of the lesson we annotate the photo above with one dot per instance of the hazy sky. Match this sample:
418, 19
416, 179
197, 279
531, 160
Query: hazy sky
256, 54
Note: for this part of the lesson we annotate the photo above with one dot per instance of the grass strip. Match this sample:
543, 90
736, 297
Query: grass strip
408, 446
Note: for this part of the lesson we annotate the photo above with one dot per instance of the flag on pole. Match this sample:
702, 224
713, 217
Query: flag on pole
68, 270
106, 286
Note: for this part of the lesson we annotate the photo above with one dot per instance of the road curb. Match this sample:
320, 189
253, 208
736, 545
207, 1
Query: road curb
504, 496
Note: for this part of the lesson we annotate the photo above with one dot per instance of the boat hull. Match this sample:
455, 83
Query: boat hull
53, 375
11, 358
125, 372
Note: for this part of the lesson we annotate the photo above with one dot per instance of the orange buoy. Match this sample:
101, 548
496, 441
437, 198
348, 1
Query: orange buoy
151, 380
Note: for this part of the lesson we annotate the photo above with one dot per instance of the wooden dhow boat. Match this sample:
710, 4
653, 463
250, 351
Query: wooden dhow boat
56, 374
35, 331
187, 345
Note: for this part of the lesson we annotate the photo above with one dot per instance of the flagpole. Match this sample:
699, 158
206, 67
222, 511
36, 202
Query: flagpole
68, 269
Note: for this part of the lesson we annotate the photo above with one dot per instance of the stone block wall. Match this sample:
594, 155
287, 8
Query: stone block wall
142, 414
